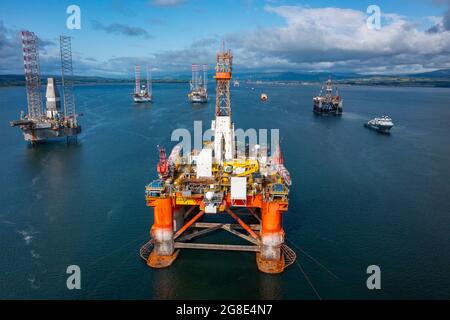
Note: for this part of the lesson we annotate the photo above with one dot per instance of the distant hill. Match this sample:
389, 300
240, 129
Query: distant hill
439, 78
8, 80
443, 73
294, 76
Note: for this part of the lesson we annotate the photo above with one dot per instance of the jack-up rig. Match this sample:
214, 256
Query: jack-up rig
329, 103
142, 93
39, 124
251, 187
198, 85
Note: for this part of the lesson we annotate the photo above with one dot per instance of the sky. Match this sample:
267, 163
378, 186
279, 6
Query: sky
264, 35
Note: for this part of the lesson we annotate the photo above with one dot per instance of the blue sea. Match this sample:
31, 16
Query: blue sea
359, 198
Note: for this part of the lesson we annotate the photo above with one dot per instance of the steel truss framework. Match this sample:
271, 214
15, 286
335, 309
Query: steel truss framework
30, 46
67, 78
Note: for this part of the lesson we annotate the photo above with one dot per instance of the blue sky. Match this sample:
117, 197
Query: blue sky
265, 35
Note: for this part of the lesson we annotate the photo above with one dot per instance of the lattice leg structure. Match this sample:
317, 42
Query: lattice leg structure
67, 80
30, 45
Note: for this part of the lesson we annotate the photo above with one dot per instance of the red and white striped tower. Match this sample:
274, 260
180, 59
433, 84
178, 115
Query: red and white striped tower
137, 79
205, 78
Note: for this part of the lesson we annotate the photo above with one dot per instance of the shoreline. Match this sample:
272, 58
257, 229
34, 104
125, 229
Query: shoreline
400, 83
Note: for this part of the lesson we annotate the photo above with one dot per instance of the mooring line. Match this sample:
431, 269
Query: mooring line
308, 280
116, 250
97, 286
314, 259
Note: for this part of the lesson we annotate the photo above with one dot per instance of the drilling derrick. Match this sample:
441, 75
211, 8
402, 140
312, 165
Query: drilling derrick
222, 126
67, 80
30, 47
252, 191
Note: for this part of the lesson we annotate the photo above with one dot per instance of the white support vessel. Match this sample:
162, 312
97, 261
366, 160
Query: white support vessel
382, 124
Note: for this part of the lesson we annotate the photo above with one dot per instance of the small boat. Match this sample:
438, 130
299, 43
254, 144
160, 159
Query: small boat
264, 97
382, 124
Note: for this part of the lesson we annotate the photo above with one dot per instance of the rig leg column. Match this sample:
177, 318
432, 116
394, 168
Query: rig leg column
163, 253
270, 258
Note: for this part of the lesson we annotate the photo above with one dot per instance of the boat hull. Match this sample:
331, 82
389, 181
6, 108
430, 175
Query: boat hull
333, 108
380, 128
333, 111
140, 100
36, 135
198, 99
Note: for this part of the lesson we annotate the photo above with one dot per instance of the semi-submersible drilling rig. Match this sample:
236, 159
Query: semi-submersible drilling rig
216, 181
38, 124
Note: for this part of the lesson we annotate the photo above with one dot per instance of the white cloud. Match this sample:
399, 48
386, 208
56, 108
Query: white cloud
316, 39
340, 38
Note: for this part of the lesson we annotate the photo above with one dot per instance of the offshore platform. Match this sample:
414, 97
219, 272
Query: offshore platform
198, 85
330, 103
142, 93
251, 188
38, 124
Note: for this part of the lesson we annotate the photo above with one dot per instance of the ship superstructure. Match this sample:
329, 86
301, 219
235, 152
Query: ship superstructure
330, 102
250, 188
198, 84
40, 124
142, 92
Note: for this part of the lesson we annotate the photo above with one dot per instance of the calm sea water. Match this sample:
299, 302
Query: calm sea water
358, 197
